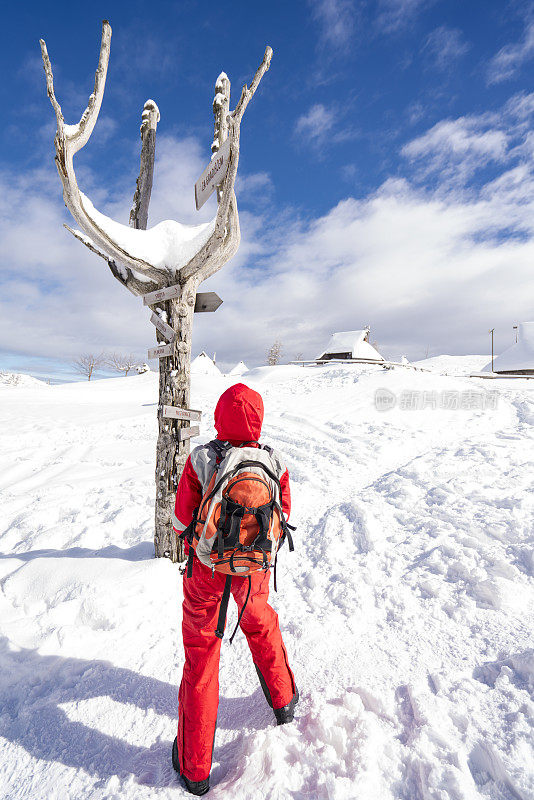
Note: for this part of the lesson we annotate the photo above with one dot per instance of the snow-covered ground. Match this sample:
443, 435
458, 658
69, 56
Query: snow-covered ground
407, 607
454, 365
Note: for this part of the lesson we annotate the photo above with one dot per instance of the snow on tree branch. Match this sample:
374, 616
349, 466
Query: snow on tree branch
170, 250
149, 123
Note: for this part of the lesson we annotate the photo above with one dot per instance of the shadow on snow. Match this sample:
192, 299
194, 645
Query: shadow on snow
33, 687
139, 552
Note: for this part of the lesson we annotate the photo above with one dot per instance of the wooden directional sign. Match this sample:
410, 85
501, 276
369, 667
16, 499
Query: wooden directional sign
187, 433
161, 294
213, 175
161, 351
171, 412
207, 301
162, 327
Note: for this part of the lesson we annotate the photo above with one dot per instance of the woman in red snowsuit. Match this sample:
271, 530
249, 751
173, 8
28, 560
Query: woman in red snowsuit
238, 420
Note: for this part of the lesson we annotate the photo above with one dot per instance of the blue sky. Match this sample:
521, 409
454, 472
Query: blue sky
385, 173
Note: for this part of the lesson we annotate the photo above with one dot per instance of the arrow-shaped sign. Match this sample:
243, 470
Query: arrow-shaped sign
207, 301
162, 327
171, 412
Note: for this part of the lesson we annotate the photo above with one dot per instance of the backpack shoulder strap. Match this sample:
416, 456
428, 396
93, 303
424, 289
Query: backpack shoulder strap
219, 447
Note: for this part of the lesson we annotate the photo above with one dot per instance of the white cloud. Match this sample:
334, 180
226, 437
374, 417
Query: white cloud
421, 269
336, 20
457, 148
255, 188
445, 46
58, 298
511, 57
323, 125
316, 125
454, 150
393, 15
426, 267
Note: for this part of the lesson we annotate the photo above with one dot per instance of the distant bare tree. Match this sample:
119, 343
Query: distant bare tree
87, 363
121, 363
274, 354
299, 357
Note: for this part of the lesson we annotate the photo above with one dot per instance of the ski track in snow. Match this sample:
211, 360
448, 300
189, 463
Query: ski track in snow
407, 607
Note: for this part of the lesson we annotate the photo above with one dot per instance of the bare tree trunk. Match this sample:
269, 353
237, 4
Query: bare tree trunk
142, 277
174, 390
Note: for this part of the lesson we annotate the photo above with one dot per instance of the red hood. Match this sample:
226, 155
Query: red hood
239, 414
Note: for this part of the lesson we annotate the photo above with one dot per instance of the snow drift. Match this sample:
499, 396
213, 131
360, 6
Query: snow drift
407, 607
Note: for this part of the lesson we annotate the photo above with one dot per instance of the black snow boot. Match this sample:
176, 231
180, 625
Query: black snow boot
194, 787
286, 713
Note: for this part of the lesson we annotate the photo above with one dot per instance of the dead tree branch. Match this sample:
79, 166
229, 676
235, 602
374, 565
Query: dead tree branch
139, 213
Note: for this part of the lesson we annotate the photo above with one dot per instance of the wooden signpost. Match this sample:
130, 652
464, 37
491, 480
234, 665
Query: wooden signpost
161, 351
204, 301
171, 412
170, 287
187, 433
162, 327
213, 175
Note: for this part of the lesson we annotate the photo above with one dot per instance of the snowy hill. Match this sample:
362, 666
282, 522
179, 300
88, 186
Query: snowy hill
20, 381
407, 607
453, 365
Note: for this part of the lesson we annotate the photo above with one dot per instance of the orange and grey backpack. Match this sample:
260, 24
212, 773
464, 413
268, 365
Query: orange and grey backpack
239, 525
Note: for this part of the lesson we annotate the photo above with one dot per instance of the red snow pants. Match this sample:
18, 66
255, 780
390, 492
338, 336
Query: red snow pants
199, 689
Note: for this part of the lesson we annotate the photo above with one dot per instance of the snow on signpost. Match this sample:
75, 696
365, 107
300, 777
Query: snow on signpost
164, 264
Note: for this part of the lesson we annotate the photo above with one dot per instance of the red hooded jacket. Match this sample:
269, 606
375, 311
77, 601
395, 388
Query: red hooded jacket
238, 420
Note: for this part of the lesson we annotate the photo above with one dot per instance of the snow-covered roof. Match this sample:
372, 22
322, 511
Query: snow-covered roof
204, 365
352, 342
520, 356
239, 369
